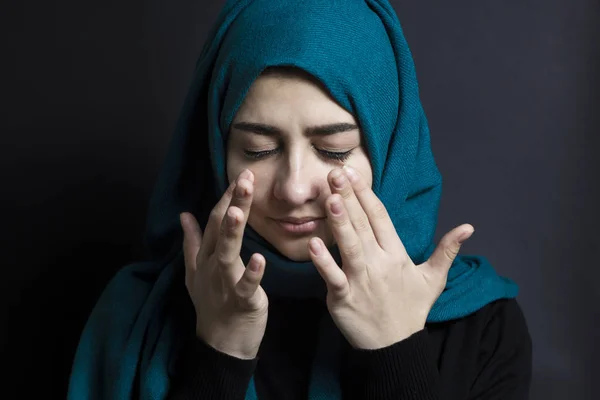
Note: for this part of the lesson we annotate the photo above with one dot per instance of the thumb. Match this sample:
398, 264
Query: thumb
442, 258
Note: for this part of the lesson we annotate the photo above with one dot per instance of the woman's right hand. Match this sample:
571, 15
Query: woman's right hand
231, 306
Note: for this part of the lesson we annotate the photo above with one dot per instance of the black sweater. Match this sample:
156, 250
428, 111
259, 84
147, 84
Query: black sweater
486, 355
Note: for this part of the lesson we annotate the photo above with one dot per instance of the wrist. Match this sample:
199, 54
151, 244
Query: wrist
230, 347
240, 355
384, 340
233, 351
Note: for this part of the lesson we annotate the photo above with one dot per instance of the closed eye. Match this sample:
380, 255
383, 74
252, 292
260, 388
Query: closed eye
331, 155
335, 155
259, 155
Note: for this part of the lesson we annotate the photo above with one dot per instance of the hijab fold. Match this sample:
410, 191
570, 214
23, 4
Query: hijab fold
357, 50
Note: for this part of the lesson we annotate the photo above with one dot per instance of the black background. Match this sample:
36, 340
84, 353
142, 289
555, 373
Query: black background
90, 93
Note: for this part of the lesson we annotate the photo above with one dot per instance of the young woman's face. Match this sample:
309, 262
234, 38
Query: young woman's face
290, 133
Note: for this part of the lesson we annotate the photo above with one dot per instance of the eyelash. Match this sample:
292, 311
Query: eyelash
332, 155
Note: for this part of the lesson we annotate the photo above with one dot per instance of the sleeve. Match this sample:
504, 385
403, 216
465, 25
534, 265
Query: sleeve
408, 370
207, 374
404, 370
505, 357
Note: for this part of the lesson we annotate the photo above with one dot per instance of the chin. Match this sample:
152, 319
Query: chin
296, 250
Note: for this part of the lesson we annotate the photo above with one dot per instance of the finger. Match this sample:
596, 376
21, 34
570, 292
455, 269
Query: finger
215, 220
211, 232
332, 274
250, 281
192, 239
228, 247
231, 234
346, 237
242, 195
379, 219
339, 184
445, 253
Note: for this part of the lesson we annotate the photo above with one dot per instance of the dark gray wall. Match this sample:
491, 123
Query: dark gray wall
90, 93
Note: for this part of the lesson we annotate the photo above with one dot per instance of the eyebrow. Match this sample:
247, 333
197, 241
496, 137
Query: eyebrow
269, 130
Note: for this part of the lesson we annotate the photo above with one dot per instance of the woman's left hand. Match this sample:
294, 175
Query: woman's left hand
379, 296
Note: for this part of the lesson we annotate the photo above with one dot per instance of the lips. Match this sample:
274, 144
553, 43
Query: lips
293, 220
299, 226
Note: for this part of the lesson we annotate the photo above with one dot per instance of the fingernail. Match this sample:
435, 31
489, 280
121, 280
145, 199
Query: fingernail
254, 265
243, 191
351, 173
315, 246
338, 179
336, 208
464, 236
246, 174
249, 175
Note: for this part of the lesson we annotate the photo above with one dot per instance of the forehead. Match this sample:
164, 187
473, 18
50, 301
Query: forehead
275, 98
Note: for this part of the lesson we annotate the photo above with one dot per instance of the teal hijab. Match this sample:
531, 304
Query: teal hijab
357, 50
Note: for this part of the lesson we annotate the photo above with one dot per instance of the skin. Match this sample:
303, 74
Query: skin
377, 297
293, 180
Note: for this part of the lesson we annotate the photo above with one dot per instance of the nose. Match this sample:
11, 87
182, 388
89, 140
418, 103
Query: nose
295, 182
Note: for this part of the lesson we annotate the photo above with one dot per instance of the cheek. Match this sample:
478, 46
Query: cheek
236, 164
362, 164
260, 200
260, 209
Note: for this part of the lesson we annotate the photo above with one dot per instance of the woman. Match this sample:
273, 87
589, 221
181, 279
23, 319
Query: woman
291, 234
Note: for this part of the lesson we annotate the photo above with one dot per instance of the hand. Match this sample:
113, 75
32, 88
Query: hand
231, 306
380, 296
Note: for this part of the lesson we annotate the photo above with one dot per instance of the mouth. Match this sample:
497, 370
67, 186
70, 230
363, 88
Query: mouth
299, 226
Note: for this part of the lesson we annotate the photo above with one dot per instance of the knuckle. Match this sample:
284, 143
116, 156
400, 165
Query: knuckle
379, 210
244, 291
229, 232
338, 287
360, 186
346, 193
362, 224
224, 257
340, 222
451, 252
352, 251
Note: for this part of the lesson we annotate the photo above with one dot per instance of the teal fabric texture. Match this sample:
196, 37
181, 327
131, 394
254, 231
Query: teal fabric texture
357, 50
